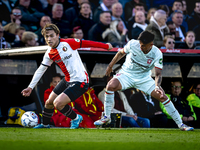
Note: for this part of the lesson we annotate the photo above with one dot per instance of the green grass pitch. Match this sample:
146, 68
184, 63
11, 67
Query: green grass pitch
98, 139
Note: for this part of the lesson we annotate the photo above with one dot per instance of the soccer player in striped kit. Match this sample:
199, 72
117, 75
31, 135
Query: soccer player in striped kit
76, 81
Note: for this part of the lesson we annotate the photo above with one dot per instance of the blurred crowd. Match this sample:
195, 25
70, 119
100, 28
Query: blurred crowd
173, 22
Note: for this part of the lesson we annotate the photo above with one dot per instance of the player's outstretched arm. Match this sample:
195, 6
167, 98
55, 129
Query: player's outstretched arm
36, 77
27, 92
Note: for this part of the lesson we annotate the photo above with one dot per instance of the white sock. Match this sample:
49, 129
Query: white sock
108, 103
169, 106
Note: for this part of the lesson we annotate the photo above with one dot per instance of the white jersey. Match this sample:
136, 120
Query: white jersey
138, 64
67, 57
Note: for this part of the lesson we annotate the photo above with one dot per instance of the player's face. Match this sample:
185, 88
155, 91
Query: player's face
146, 47
51, 38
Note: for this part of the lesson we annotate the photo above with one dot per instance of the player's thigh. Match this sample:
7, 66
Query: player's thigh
125, 81
114, 85
61, 86
71, 93
147, 85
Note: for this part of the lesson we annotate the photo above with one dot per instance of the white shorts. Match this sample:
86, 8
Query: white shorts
147, 84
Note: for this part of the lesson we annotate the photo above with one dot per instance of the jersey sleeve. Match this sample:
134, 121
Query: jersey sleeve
46, 60
127, 47
159, 61
77, 43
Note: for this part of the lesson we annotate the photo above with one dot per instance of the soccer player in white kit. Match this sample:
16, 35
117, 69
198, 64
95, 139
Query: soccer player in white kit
141, 57
76, 82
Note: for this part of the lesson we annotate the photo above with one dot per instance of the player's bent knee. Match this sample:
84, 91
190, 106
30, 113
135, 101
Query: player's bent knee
58, 104
113, 85
49, 104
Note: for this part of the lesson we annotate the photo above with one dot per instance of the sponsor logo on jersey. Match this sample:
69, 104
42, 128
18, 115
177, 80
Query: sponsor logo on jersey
66, 57
77, 40
118, 74
149, 61
64, 48
139, 64
134, 54
160, 61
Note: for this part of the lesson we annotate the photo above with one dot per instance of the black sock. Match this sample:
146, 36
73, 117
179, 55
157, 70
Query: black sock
46, 116
67, 111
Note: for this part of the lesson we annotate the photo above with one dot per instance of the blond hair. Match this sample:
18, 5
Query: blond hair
28, 36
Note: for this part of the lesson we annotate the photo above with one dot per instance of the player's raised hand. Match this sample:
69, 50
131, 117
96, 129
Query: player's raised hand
110, 46
26, 92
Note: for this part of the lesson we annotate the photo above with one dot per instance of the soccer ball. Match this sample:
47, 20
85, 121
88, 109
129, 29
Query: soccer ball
29, 119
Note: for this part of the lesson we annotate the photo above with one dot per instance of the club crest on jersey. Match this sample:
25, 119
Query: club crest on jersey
77, 40
149, 61
64, 48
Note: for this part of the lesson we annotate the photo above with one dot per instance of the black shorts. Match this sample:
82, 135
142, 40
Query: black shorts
72, 89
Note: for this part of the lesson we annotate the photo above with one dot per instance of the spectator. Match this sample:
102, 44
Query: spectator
31, 17
165, 8
117, 11
177, 18
169, 42
73, 12
148, 107
189, 42
11, 28
16, 15
95, 33
106, 5
28, 39
194, 100
6, 7
55, 80
184, 108
185, 12
19, 33
194, 19
63, 25
172, 31
158, 27
178, 6
150, 13
128, 8
84, 19
3, 42
131, 21
138, 26
44, 20
77, 33
48, 9
121, 105
116, 34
